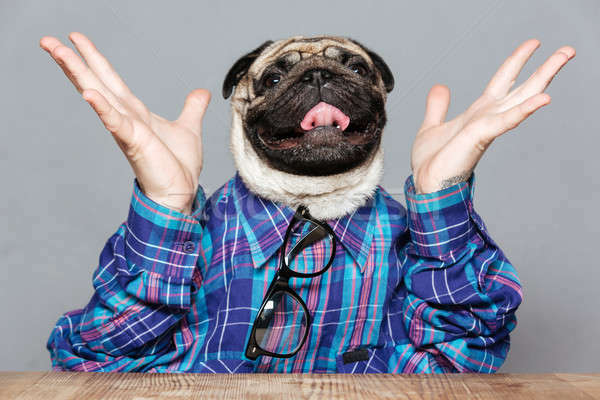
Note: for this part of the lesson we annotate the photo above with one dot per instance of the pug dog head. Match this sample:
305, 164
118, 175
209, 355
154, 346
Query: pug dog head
308, 116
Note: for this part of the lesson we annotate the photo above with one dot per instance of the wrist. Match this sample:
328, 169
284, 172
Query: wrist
180, 202
425, 189
424, 186
184, 208
431, 186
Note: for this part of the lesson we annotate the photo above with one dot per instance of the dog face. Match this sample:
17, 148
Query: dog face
311, 107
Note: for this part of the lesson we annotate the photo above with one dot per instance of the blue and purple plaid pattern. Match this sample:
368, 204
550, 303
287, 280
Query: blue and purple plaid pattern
423, 289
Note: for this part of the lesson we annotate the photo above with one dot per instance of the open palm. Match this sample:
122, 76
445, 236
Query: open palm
166, 156
446, 152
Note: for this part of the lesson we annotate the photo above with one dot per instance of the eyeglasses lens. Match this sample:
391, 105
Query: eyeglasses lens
309, 248
282, 324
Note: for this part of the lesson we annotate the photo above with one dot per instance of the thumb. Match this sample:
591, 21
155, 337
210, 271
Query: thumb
438, 102
194, 108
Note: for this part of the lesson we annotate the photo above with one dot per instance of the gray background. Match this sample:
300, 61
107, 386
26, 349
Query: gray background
66, 186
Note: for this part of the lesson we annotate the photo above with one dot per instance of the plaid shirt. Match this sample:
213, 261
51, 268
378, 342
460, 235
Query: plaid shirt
416, 290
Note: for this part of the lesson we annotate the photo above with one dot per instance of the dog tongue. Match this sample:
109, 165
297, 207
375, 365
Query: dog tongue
324, 114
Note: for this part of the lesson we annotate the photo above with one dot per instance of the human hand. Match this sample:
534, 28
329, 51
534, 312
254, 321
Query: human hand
166, 156
445, 153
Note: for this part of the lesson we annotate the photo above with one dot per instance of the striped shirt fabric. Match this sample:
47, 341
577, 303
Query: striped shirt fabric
421, 289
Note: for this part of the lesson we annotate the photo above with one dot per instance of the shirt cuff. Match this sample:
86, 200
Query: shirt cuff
440, 222
163, 241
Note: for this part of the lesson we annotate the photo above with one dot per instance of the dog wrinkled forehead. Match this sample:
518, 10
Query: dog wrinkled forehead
298, 48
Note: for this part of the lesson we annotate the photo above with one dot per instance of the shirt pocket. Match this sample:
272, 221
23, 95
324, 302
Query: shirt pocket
364, 360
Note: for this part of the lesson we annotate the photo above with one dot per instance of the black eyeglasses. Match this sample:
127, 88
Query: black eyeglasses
281, 325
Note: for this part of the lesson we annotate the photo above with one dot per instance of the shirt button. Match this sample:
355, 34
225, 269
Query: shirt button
189, 246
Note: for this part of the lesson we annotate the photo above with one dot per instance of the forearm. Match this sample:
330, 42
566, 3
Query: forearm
462, 290
143, 285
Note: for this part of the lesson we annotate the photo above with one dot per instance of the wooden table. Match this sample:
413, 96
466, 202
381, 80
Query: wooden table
90, 385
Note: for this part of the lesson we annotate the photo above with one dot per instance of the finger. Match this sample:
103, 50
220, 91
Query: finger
76, 70
194, 108
113, 120
104, 70
541, 78
51, 44
438, 101
512, 117
48, 43
59, 53
508, 72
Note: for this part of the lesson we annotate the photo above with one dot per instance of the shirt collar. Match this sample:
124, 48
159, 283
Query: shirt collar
265, 222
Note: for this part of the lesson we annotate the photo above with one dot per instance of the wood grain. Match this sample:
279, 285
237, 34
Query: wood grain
90, 385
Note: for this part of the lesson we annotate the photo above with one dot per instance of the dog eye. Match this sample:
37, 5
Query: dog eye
272, 80
359, 68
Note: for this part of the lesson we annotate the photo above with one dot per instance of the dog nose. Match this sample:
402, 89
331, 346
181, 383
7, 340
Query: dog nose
316, 77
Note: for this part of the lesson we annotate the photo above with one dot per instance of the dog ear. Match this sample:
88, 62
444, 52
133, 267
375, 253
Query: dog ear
384, 70
240, 67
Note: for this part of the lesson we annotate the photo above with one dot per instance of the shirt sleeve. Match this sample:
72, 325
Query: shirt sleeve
462, 290
143, 288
